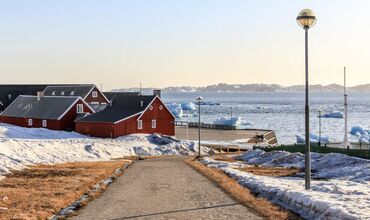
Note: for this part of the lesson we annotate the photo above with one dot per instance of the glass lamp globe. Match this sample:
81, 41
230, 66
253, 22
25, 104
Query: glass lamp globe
306, 18
199, 99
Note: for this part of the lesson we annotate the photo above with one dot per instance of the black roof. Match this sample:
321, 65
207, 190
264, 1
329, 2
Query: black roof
111, 95
9, 92
68, 90
122, 106
45, 108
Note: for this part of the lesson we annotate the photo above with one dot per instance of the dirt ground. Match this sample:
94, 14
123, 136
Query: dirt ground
42, 190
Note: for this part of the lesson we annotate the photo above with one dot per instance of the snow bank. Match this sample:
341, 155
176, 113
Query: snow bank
327, 199
175, 109
20, 147
324, 166
313, 139
334, 114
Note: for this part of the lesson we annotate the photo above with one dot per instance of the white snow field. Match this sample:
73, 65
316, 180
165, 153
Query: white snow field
340, 188
21, 147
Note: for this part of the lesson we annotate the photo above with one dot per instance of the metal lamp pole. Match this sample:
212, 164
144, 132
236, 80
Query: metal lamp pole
306, 19
199, 99
319, 128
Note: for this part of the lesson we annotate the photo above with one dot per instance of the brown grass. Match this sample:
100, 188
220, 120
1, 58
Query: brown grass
270, 171
259, 205
42, 190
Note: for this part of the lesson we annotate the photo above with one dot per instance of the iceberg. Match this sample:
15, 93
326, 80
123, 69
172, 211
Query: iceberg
334, 114
362, 134
233, 121
188, 106
175, 109
313, 139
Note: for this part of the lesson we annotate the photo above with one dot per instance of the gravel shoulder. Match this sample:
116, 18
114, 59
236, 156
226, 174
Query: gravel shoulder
164, 188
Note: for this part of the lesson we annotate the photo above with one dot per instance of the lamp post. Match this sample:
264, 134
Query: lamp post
198, 100
319, 128
306, 19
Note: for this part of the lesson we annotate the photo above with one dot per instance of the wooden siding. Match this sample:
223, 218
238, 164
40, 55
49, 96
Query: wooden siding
67, 122
164, 120
100, 98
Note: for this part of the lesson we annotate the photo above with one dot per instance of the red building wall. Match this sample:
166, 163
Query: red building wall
100, 98
67, 122
165, 124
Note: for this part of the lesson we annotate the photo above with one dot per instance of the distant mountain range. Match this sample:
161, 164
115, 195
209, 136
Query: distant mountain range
223, 87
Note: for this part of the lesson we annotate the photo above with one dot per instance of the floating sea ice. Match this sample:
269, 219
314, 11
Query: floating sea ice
313, 139
175, 109
334, 114
188, 106
234, 121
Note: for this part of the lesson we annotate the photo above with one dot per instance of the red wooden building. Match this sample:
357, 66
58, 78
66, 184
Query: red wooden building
89, 93
128, 114
56, 113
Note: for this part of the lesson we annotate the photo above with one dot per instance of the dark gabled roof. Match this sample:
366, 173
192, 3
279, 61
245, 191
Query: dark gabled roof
111, 95
8, 93
68, 90
122, 106
45, 108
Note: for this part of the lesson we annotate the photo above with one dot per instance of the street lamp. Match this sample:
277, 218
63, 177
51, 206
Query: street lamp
319, 128
306, 19
199, 100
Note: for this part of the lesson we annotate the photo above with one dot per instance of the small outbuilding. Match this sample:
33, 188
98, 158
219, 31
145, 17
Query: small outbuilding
129, 114
56, 113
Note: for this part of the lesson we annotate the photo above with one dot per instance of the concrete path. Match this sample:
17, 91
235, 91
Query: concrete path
164, 188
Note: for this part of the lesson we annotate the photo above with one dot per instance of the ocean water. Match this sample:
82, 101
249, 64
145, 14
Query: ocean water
283, 111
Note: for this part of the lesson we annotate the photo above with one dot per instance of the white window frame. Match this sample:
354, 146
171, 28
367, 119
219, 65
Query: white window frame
44, 123
94, 94
139, 124
62, 93
94, 103
80, 108
73, 93
30, 122
53, 93
154, 123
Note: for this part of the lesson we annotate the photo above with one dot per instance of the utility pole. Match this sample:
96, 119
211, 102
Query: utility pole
346, 143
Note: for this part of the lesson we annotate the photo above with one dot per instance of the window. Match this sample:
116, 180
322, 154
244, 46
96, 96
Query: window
30, 122
73, 93
94, 94
103, 103
154, 123
140, 124
80, 108
161, 107
62, 93
53, 93
94, 103
44, 123
150, 107
10, 96
142, 103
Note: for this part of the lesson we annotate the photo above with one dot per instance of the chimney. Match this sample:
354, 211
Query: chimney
157, 92
40, 94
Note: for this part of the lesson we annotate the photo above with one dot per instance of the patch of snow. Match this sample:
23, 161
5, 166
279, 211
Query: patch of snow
21, 147
324, 166
336, 198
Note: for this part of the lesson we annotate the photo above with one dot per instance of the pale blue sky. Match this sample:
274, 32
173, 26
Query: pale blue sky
194, 42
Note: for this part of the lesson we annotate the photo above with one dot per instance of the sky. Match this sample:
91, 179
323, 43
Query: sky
119, 43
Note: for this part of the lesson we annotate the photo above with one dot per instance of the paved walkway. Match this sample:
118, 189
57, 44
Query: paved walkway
164, 188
